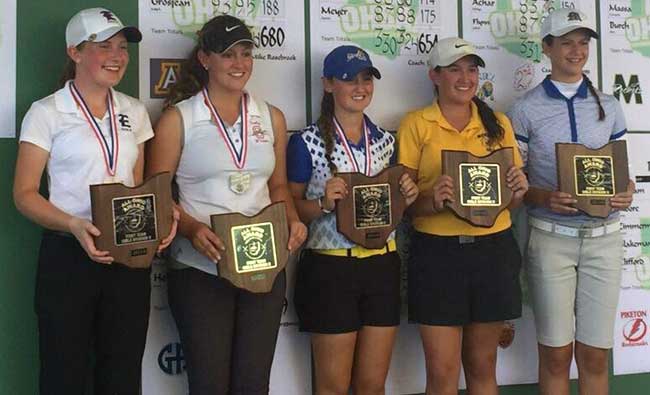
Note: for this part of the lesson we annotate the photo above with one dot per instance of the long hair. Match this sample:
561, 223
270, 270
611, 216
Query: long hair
548, 40
192, 79
326, 126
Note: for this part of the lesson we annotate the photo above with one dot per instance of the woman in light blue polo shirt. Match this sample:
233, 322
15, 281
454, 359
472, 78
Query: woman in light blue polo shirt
573, 260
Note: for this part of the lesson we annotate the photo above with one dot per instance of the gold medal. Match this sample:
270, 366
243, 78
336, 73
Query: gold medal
239, 182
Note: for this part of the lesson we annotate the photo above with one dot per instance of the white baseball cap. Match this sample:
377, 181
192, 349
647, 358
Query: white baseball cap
448, 50
97, 24
565, 20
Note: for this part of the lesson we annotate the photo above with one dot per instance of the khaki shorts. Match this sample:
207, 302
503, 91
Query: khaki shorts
574, 285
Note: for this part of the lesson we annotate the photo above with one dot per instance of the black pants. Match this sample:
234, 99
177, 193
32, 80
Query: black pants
228, 334
86, 307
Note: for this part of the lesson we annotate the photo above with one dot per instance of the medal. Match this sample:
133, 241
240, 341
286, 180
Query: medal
348, 150
109, 150
240, 181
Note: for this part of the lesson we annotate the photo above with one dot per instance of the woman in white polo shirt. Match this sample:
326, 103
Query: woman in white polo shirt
85, 133
227, 150
573, 261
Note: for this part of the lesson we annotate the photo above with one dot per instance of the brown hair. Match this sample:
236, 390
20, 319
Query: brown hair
69, 68
326, 126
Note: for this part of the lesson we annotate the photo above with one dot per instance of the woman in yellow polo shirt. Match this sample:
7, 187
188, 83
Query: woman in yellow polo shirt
346, 296
464, 279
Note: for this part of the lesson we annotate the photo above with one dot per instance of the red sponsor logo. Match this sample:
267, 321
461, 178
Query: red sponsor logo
635, 329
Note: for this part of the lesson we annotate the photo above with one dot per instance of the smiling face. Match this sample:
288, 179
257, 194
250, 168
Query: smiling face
101, 63
351, 96
568, 54
231, 69
457, 82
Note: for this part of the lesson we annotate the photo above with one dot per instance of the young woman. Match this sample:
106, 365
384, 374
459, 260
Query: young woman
464, 279
573, 261
227, 150
85, 133
346, 296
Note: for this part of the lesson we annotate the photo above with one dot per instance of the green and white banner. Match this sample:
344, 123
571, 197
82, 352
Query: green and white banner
169, 33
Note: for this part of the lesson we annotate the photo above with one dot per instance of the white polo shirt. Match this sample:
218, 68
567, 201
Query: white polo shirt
205, 167
76, 161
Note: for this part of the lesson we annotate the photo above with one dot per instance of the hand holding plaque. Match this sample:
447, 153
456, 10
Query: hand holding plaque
132, 220
256, 247
592, 176
372, 209
480, 185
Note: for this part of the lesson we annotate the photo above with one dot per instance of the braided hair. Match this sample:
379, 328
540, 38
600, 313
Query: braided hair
326, 127
548, 40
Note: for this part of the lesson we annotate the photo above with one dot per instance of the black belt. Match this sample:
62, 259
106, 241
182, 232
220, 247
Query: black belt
465, 239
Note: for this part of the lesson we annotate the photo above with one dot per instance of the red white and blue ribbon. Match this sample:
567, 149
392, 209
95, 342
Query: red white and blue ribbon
238, 156
110, 150
348, 150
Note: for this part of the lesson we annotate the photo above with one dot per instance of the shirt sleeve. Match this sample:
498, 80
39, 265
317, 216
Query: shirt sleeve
520, 126
409, 146
620, 126
37, 127
143, 131
299, 165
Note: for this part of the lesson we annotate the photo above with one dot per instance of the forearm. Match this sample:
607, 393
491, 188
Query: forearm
38, 209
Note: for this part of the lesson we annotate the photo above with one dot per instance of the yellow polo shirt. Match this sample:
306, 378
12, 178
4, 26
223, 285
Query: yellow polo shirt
421, 137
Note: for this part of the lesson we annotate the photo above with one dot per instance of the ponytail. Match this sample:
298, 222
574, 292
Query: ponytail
590, 86
326, 127
494, 129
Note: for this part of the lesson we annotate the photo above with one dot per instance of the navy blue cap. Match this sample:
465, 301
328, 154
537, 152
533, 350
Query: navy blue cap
346, 61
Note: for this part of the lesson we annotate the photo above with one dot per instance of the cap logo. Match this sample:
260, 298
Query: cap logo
92, 37
109, 16
231, 28
574, 16
460, 45
358, 55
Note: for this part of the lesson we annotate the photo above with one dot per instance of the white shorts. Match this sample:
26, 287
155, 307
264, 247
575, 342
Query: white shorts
574, 285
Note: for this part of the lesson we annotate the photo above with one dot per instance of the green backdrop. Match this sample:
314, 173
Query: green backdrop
40, 56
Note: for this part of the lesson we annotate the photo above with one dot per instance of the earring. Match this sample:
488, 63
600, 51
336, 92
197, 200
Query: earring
205, 66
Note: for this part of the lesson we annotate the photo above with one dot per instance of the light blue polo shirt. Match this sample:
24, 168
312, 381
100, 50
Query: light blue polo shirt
543, 117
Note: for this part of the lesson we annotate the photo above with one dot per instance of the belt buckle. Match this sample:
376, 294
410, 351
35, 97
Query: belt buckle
584, 233
463, 239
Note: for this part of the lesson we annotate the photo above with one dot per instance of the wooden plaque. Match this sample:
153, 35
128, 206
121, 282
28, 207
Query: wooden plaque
592, 176
133, 220
373, 208
256, 247
480, 188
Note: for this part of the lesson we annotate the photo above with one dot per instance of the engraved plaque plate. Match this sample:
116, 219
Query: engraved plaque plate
254, 247
371, 206
480, 184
